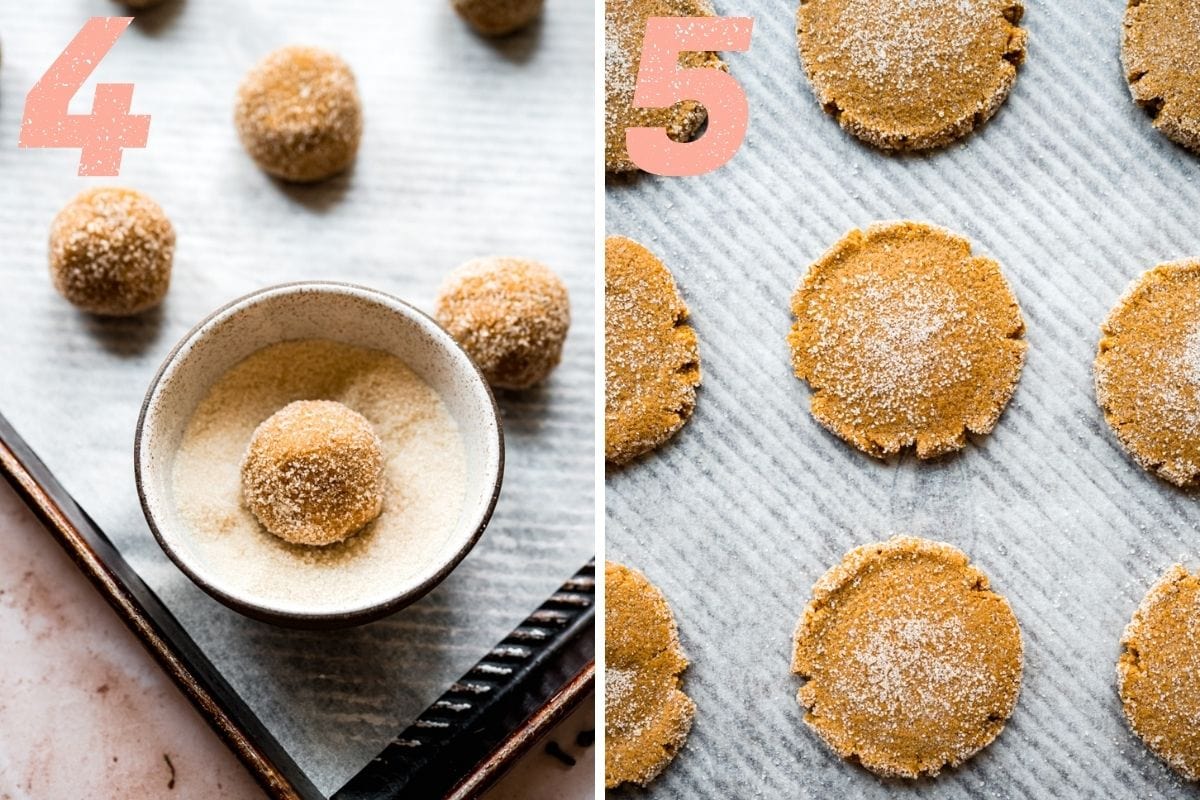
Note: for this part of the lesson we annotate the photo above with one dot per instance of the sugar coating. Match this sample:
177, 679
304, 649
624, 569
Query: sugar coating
906, 339
1148, 371
511, 315
912, 664
298, 114
111, 252
651, 354
1158, 672
647, 717
498, 17
313, 472
624, 29
910, 74
1159, 51
425, 475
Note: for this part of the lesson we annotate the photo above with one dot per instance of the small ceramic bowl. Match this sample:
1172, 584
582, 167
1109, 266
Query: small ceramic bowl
315, 310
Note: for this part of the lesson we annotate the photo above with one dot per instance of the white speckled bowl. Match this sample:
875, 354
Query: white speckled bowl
315, 310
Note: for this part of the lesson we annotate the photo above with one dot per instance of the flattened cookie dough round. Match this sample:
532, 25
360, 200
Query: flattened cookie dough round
651, 357
1158, 674
1158, 47
1148, 371
912, 663
910, 74
624, 27
905, 338
646, 716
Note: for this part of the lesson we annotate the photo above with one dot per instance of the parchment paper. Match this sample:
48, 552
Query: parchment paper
470, 148
1074, 193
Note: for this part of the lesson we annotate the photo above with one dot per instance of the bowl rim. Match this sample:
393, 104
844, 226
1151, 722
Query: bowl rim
353, 616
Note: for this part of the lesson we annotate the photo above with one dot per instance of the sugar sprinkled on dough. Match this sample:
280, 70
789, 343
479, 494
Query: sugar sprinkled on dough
912, 663
624, 27
906, 339
111, 251
1159, 51
511, 315
425, 471
892, 336
313, 472
910, 74
1158, 673
913, 656
298, 114
647, 717
619, 686
1148, 371
651, 356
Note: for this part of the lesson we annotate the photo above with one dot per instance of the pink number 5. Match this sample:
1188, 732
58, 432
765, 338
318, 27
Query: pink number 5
110, 127
661, 84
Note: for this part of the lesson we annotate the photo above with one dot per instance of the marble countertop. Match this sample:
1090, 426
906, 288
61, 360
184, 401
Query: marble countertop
84, 709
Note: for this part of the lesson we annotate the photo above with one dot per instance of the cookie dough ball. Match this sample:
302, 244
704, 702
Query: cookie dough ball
510, 315
910, 75
498, 17
298, 114
1157, 47
1148, 371
624, 29
647, 717
651, 355
313, 473
1158, 674
906, 339
111, 252
912, 663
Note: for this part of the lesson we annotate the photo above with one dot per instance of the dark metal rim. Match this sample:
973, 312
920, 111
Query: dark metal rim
556, 709
114, 590
140, 610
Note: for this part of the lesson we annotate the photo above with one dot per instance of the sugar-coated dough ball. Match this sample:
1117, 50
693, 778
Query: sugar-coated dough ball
313, 473
510, 315
498, 17
111, 251
298, 114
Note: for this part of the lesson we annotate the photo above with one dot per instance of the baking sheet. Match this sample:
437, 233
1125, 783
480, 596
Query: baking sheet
1073, 192
470, 148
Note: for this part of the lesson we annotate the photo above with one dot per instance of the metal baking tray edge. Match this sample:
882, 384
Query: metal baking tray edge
536, 685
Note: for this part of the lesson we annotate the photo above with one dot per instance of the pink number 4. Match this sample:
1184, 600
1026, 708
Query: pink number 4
110, 127
661, 84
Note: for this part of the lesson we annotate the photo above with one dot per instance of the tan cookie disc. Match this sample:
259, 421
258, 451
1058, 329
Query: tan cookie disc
906, 339
646, 717
624, 27
912, 663
1159, 52
651, 358
1148, 371
1158, 674
910, 74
